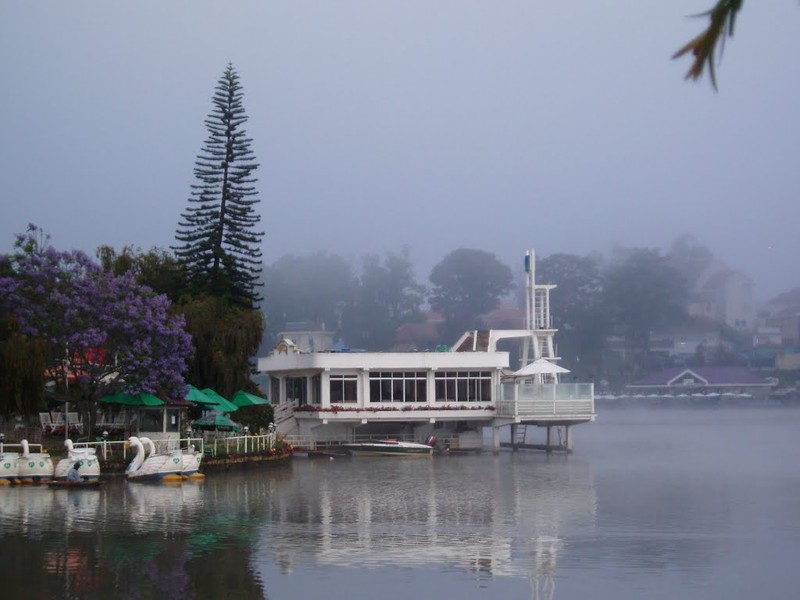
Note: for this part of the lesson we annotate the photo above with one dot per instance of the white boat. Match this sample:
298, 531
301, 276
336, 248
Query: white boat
388, 447
163, 467
191, 463
34, 467
90, 463
9, 467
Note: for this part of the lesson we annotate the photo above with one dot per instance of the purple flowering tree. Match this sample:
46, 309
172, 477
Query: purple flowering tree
105, 331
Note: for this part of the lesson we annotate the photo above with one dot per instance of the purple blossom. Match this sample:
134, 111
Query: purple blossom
66, 298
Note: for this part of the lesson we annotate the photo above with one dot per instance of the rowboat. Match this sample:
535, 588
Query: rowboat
83, 483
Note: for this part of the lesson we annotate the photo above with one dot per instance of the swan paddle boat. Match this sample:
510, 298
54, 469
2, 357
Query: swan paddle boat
34, 467
155, 467
9, 467
90, 463
191, 463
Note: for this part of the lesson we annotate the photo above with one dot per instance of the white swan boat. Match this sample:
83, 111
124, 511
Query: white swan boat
90, 463
191, 463
9, 467
162, 467
389, 447
34, 467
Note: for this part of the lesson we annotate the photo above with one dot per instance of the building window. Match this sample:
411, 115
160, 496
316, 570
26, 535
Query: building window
344, 388
275, 389
463, 386
316, 390
398, 386
296, 390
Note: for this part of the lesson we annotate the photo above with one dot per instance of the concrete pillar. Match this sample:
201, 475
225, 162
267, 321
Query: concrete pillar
568, 440
514, 437
495, 439
547, 446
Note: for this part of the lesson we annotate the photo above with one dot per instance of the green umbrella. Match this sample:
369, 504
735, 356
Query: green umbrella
141, 399
221, 403
242, 398
198, 396
216, 421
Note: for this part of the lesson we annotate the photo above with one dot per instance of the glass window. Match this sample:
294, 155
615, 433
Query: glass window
463, 386
398, 386
343, 388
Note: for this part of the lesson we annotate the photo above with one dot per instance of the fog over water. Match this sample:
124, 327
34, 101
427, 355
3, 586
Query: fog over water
662, 503
441, 125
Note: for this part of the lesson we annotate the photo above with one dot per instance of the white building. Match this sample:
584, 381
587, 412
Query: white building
332, 397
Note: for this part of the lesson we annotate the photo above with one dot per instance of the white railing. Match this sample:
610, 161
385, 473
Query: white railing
241, 444
244, 444
553, 400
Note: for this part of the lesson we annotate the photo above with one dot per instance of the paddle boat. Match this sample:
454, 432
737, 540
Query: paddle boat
191, 463
34, 467
90, 463
391, 447
161, 467
9, 467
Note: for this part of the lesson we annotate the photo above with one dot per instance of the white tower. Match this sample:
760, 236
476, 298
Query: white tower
539, 343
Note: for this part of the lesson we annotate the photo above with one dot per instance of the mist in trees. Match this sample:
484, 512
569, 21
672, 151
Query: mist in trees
386, 295
467, 283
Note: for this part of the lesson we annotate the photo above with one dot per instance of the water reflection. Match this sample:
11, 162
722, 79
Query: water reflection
662, 505
490, 515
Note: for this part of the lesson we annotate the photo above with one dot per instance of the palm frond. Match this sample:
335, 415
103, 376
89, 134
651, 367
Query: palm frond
721, 21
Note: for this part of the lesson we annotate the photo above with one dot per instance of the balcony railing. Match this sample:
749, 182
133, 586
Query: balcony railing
546, 400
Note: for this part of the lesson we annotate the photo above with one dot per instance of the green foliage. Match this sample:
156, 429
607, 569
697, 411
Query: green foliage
721, 21
467, 283
226, 337
220, 245
22, 371
156, 268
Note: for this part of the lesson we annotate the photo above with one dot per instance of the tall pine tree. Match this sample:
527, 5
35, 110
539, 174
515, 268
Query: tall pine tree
220, 244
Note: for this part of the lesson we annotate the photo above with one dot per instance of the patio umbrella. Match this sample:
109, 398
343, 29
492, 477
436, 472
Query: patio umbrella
221, 403
198, 396
141, 399
540, 366
216, 421
242, 398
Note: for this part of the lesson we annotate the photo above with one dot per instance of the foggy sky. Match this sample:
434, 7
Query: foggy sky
494, 125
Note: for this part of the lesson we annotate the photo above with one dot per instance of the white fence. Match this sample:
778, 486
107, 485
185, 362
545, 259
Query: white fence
546, 400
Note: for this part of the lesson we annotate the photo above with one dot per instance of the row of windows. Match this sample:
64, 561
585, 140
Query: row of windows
397, 386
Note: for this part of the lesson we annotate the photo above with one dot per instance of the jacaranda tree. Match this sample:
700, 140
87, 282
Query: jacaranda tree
105, 332
218, 235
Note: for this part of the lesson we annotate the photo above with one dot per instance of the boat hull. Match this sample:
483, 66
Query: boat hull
84, 484
389, 449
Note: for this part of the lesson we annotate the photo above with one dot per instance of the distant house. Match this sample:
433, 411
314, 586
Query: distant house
783, 313
717, 382
683, 343
412, 337
725, 296
504, 317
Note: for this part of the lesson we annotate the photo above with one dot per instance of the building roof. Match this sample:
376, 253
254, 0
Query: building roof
710, 376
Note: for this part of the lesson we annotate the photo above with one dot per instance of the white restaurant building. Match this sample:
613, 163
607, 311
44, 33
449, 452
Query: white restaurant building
326, 397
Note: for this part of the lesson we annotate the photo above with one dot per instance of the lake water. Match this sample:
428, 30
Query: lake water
661, 503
